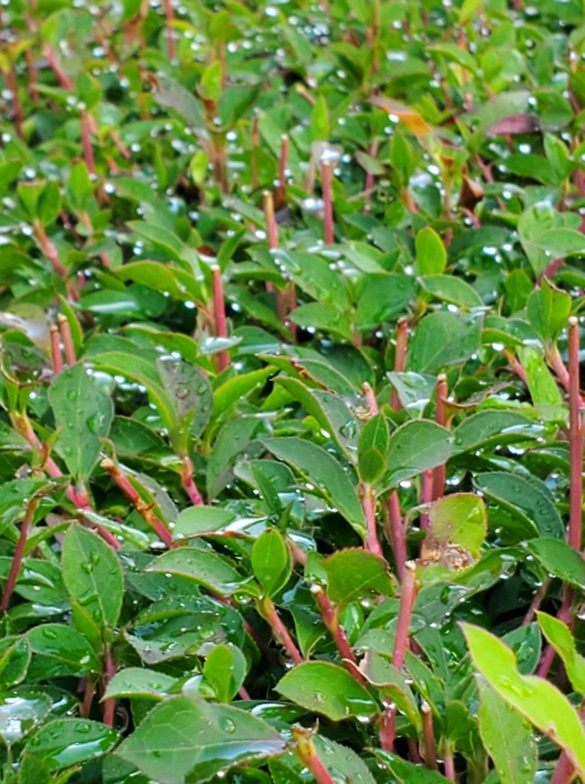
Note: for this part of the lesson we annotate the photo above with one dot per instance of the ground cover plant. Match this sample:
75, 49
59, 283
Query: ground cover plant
290, 411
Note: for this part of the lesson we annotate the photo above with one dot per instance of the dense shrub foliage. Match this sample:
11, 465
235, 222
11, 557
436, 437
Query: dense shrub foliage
290, 436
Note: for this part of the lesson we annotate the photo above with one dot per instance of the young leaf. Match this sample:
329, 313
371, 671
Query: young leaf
93, 576
560, 559
225, 669
327, 689
185, 739
560, 637
324, 471
271, 562
535, 698
458, 519
548, 310
507, 737
431, 257
416, 447
353, 574
83, 415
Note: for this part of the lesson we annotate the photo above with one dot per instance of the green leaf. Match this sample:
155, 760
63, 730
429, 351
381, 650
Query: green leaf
22, 713
414, 448
271, 562
188, 740
431, 257
560, 559
541, 385
487, 428
382, 298
199, 520
326, 689
67, 742
548, 311
202, 566
450, 289
535, 698
139, 683
188, 389
459, 519
225, 669
507, 737
338, 758
59, 651
49, 204
559, 636
404, 772
353, 574
324, 471
442, 339
93, 576
83, 415
527, 497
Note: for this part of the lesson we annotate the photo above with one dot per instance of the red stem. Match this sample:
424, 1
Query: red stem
369, 184
387, 733
67, 338
18, 553
16, 107
62, 77
426, 496
124, 151
169, 22
189, 485
449, 763
368, 499
575, 440
440, 472
32, 75
407, 598
370, 397
430, 750
144, 510
306, 752
271, 227
282, 162
395, 533
254, 144
564, 615
327, 185
516, 366
219, 315
399, 357
330, 617
109, 707
86, 142
268, 612
56, 357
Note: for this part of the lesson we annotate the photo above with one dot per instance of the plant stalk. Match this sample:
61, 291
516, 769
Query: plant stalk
188, 482
282, 162
268, 612
368, 499
219, 315
67, 338
574, 533
145, 510
430, 749
327, 186
440, 472
399, 358
330, 617
395, 532
307, 753
16, 562
407, 598
56, 357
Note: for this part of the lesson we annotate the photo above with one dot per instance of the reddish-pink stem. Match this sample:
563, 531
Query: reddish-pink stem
169, 27
395, 532
219, 315
50, 252
268, 612
449, 764
575, 440
327, 186
67, 338
271, 227
62, 77
370, 397
369, 185
440, 472
145, 510
306, 752
426, 496
18, 553
430, 750
56, 357
387, 732
109, 707
516, 366
86, 142
124, 151
16, 107
32, 75
189, 483
330, 617
368, 499
407, 597
282, 161
399, 357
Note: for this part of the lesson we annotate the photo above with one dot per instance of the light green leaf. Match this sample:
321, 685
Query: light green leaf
416, 447
202, 566
560, 637
271, 562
